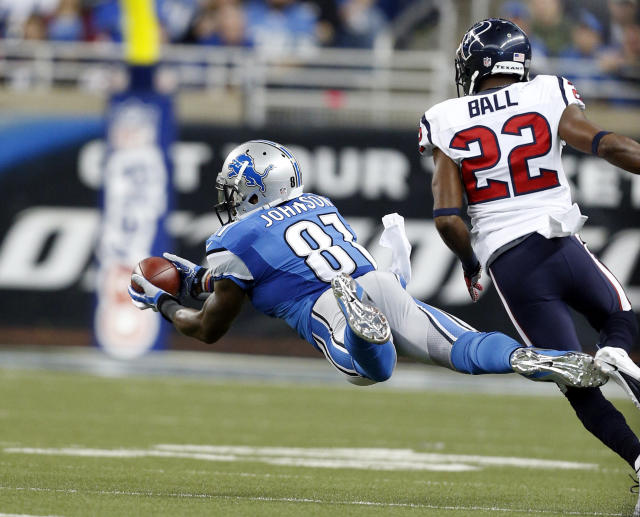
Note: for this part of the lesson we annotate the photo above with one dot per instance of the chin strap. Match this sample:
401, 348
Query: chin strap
472, 84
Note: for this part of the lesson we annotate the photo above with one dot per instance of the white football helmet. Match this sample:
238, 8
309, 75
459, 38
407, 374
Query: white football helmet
256, 174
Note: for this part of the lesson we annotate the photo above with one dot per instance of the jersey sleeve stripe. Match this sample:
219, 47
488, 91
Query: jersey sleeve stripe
426, 124
216, 250
564, 95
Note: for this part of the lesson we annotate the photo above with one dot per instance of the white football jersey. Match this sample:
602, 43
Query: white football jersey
505, 141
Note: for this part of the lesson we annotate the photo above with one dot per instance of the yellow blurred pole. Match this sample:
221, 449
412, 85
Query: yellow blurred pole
141, 32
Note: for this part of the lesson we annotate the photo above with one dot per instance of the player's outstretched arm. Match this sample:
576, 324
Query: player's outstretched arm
216, 316
447, 210
581, 133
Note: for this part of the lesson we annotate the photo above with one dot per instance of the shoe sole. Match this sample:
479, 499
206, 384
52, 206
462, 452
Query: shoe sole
571, 369
366, 321
619, 367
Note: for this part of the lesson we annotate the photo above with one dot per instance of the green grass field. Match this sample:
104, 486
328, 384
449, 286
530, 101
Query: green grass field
76, 445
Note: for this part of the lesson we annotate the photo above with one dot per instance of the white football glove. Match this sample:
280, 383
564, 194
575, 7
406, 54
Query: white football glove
151, 297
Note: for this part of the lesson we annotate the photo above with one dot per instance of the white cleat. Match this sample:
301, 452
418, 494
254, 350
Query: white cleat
365, 320
617, 364
566, 368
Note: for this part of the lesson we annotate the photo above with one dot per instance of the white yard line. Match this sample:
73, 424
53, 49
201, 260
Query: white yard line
25, 515
297, 500
387, 455
381, 459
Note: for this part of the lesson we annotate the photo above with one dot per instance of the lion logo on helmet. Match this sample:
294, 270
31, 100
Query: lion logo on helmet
244, 166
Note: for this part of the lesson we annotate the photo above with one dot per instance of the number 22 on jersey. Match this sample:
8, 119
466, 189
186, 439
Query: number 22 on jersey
518, 159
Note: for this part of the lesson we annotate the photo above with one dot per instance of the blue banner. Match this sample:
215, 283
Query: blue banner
135, 200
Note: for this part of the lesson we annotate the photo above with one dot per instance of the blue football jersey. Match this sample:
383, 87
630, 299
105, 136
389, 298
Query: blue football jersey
288, 256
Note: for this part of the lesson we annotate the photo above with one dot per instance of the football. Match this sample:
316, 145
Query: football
160, 272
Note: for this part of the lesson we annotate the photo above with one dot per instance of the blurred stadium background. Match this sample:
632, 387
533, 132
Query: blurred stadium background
343, 83
109, 147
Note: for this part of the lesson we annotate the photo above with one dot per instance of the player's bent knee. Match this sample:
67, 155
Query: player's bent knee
381, 370
383, 374
375, 362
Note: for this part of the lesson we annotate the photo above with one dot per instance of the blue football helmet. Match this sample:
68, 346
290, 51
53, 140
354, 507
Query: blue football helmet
256, 174
490, 47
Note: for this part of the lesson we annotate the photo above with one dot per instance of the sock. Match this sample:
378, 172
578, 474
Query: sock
371, 360
605, 422
620, 330
483, 352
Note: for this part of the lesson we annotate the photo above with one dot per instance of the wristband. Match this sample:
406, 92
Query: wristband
595, 143
206, 282
168, 306
471, 266
199, 280
440, 212
209, 283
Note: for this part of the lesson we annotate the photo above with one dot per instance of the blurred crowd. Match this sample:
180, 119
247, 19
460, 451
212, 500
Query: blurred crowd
594, 40
605, 31
282, 24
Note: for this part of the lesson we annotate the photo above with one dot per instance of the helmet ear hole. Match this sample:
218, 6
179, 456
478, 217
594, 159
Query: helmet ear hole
253, 199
